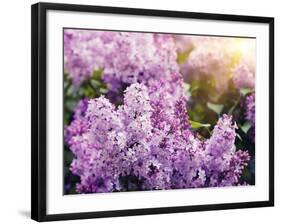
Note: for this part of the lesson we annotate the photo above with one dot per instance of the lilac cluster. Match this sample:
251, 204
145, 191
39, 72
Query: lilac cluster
250, 113
218, 60
225, 162
78, 125
209, 59
250, 108
85, 51
244, 75
149, 138
146, 142
124, 57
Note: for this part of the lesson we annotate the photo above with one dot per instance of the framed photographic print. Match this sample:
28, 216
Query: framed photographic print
139, 111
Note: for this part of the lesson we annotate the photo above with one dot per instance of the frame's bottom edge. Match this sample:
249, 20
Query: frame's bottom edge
153, 211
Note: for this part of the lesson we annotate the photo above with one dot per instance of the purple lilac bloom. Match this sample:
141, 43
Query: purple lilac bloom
223, 137
81, 108
166, 96
218, 60
125, 57
79, 124
138, 57
184, 43
210, 59
250, 113
224, 162
243, 72
150, 140
250, 108
85, 51
244, 75
95, 150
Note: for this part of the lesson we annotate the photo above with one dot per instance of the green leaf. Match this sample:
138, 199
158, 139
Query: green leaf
103, 90
231, 110
70, 104
183, 56
97, 74
217, 108
245, 127
240, 138
195, 125
197, 112
186, 87
245, 91
194, 87
68, 157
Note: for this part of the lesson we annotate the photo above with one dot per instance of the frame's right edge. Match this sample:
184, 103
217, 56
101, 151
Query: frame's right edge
271, 112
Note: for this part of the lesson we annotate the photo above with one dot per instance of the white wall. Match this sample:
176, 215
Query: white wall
15, 109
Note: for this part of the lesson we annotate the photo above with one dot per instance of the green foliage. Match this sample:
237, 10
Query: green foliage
197, 125
186, 87
246, 127
182, 56
217, 108
91, 88
246, 91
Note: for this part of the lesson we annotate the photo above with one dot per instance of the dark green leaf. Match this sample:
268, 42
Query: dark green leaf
240, 138
245, 127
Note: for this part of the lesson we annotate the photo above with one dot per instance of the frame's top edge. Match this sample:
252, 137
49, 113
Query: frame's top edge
152, 12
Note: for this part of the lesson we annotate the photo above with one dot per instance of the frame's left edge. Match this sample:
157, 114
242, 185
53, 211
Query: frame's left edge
34, 113
38, 113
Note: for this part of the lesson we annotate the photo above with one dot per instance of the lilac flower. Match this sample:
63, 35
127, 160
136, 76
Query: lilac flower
222, 140
85, 51
96, 149
243, 72
168, 101
210, 59
244, 75
147, 144
125, 58
79, 125
250, 108
224, 164
218, 60
250, 114
81, 108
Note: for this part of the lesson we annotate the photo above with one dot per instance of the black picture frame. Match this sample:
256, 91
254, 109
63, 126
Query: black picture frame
39, 107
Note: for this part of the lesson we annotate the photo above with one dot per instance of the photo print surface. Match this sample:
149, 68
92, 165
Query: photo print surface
157, 111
